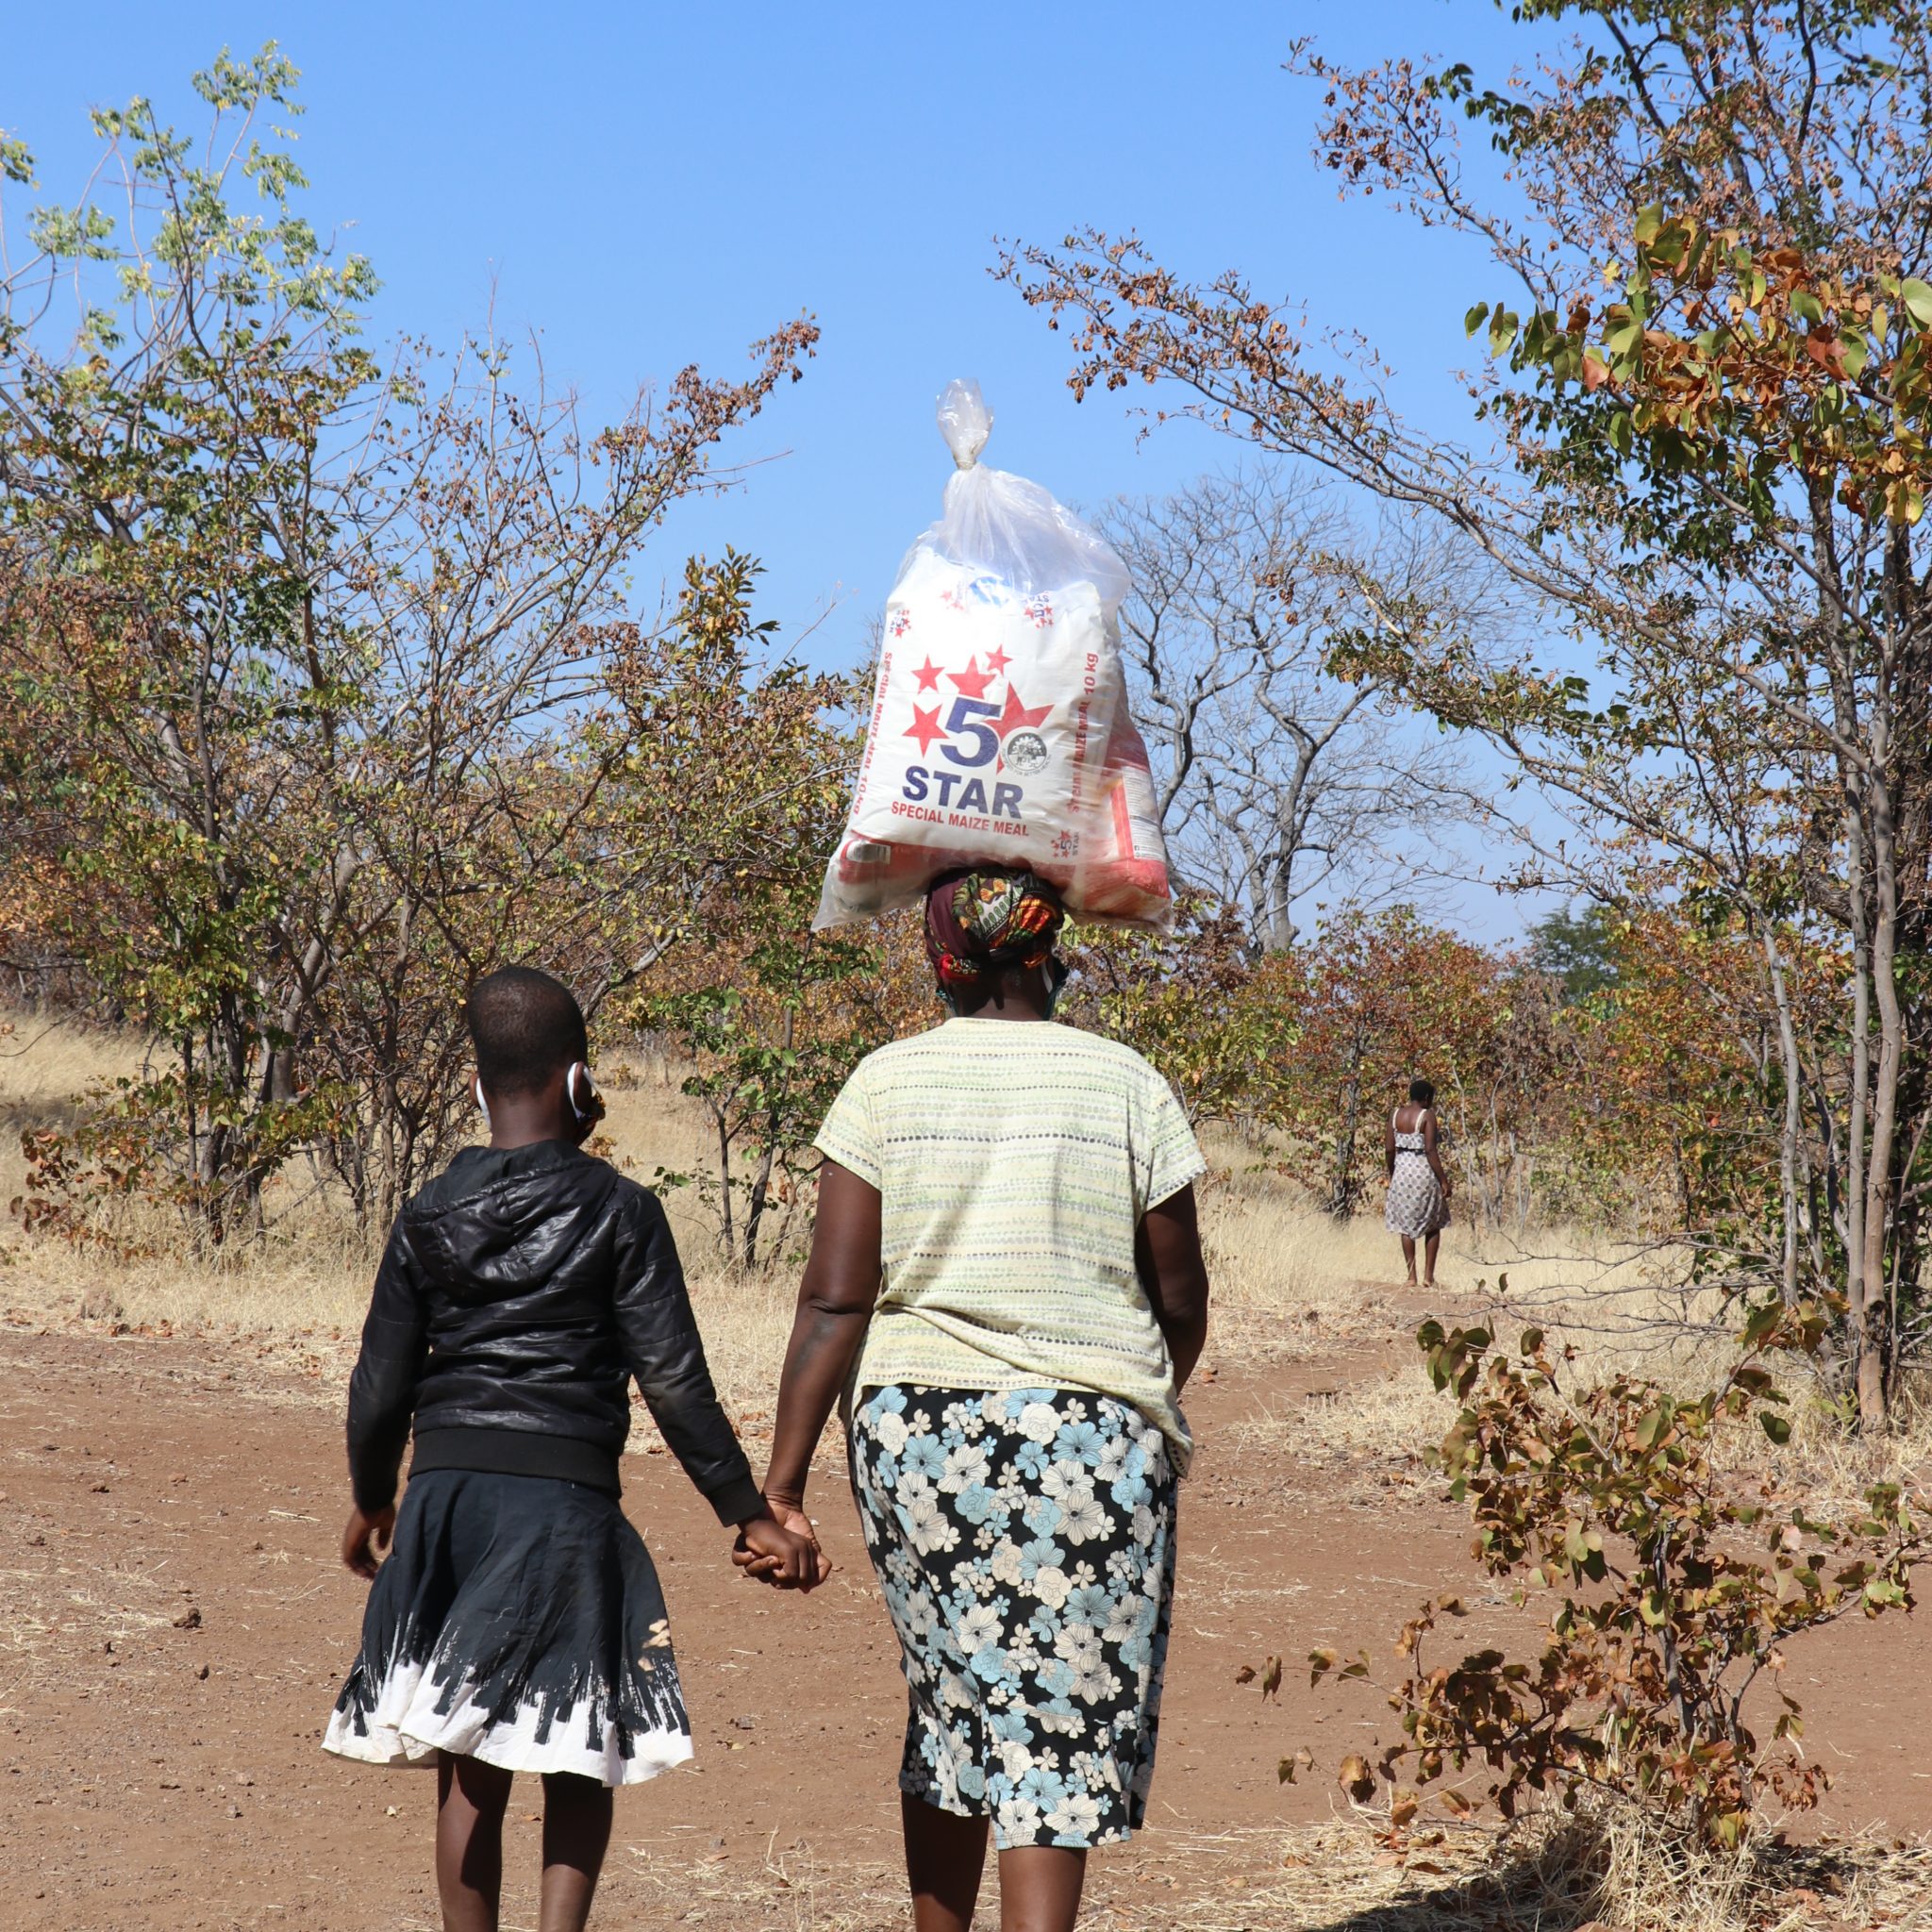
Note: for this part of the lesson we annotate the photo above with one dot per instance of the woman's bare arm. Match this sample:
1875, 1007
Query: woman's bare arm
1388, 1145
1435, 1160
835, 1304
1167, 1255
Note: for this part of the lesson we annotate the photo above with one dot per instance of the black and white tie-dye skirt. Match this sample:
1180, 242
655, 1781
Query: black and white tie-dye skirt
517, 1620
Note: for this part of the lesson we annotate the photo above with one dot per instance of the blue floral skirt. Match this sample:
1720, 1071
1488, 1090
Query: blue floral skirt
1024, 1542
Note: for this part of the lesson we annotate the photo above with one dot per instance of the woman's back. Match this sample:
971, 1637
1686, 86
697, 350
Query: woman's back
1006, 1282
1014, 1162
1418, 1206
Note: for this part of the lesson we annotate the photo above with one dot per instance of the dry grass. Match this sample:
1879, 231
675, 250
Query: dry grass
1615, 1309
1595, 1874
1286, 1279
44, 1065
1289, 1282
1607, 1305
301, 1293
1286, 1274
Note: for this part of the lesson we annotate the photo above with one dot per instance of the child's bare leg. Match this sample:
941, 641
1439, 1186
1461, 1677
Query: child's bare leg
576, 1833
1039, 1889
1429, 1247
1408, 1257
470, 1797
944, 1856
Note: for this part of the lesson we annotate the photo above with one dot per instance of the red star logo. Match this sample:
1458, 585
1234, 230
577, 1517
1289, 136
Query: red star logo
972, 681
997, 661
1018, 716
928, 675
925, 726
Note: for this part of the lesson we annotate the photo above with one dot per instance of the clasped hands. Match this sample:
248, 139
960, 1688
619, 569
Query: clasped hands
782, 1548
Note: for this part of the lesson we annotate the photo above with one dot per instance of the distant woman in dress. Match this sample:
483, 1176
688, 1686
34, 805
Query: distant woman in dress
1419, 1188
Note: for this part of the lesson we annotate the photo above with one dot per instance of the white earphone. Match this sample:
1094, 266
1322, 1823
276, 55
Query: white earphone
589, 1110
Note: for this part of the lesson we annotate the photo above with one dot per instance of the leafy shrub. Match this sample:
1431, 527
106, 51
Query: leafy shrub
1676, 1590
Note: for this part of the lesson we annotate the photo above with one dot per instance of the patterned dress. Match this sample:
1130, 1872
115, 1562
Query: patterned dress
1015, 1433
1416, 1207
1024, 1543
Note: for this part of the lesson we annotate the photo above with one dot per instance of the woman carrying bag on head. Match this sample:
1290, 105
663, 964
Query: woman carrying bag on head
1006, 1282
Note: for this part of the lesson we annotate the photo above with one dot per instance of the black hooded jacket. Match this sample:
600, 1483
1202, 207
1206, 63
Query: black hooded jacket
519, 1292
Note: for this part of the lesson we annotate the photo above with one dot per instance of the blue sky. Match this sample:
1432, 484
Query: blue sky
649, 186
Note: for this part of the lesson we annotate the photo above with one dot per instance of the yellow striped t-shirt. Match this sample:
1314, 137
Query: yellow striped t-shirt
1014, 1161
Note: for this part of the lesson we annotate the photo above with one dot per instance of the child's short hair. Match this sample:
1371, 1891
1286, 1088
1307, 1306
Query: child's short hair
525, 1027
1421, 1092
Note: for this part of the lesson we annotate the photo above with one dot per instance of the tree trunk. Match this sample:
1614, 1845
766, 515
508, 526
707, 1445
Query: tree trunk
1344, 1188
726, 1233
760, 1195
1880, 1188
1788, 1129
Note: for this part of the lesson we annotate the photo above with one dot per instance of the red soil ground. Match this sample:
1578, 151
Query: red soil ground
174, 1622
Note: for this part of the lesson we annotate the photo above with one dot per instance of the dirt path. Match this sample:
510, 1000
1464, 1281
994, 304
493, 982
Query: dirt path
174, 1624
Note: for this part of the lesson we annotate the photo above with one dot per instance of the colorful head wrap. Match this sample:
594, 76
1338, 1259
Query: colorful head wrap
981, 921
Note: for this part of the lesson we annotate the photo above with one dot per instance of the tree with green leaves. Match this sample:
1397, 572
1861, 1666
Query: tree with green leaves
1578, 950
296, 641
769, 1036
728, 794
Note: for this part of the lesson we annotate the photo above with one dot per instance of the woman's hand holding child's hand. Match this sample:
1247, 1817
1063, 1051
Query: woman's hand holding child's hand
366, 1537
780, 1549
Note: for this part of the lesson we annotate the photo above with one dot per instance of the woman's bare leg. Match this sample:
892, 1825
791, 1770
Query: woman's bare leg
1408, 1257
1429, 1247
470, 1797
944, 1856
577, 1834
1039, 1889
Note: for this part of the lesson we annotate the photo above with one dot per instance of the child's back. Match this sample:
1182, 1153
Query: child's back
522, 1289
518, 1623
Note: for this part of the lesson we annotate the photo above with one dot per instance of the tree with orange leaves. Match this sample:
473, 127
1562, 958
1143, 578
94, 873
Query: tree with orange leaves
1712, 380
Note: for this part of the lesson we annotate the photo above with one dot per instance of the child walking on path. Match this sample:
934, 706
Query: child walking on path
518, 1623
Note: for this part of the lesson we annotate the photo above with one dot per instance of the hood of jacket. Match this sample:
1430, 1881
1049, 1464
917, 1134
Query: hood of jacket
498, 1221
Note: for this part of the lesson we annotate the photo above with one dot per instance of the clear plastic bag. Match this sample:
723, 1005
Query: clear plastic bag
999, 728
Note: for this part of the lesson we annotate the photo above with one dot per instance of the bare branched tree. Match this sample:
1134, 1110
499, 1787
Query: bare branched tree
1276, 780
